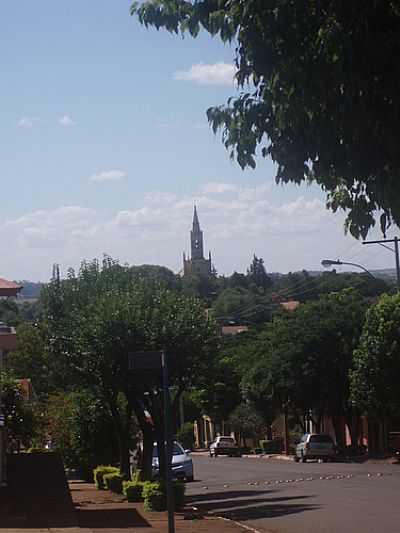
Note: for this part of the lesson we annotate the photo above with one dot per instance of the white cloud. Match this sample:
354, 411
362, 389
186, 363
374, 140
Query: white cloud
215, 74
214, 187
67, 121
237, 220
108, 175
25, 122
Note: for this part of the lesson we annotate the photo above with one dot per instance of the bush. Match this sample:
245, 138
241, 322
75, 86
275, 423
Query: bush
137, 475
271, 446
100, 471
185, 435
155, 497
133, 490
113, 482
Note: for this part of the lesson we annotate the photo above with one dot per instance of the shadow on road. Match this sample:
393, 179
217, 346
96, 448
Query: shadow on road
250, 505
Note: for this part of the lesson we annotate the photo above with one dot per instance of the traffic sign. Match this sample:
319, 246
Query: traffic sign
145, 360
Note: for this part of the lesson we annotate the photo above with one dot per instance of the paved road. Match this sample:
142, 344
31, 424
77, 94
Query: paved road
285, 497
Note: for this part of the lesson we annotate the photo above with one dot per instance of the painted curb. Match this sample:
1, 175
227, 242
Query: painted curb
238, 524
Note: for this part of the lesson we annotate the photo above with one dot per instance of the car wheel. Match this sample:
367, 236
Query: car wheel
296, 459
303, 459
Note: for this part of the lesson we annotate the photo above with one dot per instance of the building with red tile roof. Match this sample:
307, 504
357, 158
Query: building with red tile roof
9, 289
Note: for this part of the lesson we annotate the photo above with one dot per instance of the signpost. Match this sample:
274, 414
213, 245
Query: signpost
149, 363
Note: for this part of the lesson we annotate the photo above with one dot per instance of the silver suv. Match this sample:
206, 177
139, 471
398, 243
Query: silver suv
224, 446
315, 446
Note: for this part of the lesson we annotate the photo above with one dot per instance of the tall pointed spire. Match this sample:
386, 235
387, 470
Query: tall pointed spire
196, 223
196, 264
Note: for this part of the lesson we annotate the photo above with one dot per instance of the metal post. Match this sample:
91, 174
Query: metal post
286, 430
168, 445
396, 251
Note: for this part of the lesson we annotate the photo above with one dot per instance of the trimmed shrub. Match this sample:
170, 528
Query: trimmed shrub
100, 471
133, 490
155, 497
113, 482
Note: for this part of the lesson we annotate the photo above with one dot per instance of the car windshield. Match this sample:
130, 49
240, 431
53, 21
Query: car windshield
226, 439
177, 450
326, 439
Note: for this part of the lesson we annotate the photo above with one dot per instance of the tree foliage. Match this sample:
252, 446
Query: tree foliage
376, 374
303, 359
19, 416
94, 318
320, 86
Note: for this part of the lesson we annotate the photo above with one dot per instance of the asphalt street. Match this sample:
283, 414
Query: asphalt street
287, 497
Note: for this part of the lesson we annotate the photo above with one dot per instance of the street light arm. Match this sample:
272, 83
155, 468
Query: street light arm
329, 262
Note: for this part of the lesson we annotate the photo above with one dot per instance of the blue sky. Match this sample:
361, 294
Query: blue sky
105, 147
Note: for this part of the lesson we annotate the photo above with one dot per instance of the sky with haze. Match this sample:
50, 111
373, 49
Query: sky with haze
105, 148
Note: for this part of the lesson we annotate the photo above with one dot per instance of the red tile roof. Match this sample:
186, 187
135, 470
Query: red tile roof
9, 288
291, 305
234, 330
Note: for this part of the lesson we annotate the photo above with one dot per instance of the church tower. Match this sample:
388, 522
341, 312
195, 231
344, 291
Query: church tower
197, 264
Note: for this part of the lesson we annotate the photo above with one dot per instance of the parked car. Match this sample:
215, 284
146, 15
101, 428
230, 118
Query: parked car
315, 446
182, 463
224, 446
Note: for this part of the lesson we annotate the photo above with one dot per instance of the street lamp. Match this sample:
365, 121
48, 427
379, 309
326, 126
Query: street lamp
330, 262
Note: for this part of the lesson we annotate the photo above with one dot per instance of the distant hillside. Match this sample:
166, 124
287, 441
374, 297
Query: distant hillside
31, 290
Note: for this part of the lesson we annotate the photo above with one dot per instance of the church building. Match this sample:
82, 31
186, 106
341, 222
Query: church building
197, 264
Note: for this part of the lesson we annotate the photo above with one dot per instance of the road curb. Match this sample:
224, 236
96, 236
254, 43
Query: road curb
238, 524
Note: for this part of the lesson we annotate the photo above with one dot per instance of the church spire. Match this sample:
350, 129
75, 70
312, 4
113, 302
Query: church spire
197, 264
196, 223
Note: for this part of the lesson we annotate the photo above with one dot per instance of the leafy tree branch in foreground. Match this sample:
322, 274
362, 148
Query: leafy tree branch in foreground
319, 93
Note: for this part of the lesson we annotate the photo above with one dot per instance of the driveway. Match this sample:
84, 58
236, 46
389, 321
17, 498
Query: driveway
287, 497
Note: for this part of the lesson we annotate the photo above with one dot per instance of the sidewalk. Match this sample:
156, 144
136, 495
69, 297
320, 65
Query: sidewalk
102, 512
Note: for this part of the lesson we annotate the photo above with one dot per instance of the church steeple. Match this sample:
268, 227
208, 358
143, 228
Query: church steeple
196, 264
196, 224
196, 238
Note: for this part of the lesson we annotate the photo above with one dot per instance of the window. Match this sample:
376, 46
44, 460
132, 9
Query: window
177, 450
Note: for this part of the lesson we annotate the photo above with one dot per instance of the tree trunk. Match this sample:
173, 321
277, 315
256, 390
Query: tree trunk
147, 456
338, 432
148, 440
122, 433
124, 455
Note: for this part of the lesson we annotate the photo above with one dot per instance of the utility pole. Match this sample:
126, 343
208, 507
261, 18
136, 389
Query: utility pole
383, 242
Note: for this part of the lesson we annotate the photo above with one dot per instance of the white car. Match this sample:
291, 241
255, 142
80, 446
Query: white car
182, 463
224, 446
315, 446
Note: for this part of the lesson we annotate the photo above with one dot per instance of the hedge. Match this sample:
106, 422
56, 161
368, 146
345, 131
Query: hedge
113, 482
133, 490
100, 471
155, 497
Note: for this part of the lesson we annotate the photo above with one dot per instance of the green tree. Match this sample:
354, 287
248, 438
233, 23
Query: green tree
19, 416
30, 360
257, 275
80, 428
320, 90
93, 319
9, 312
246, 422
376, 374
303, 359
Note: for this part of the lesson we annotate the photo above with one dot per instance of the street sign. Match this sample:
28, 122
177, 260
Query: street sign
144, 360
